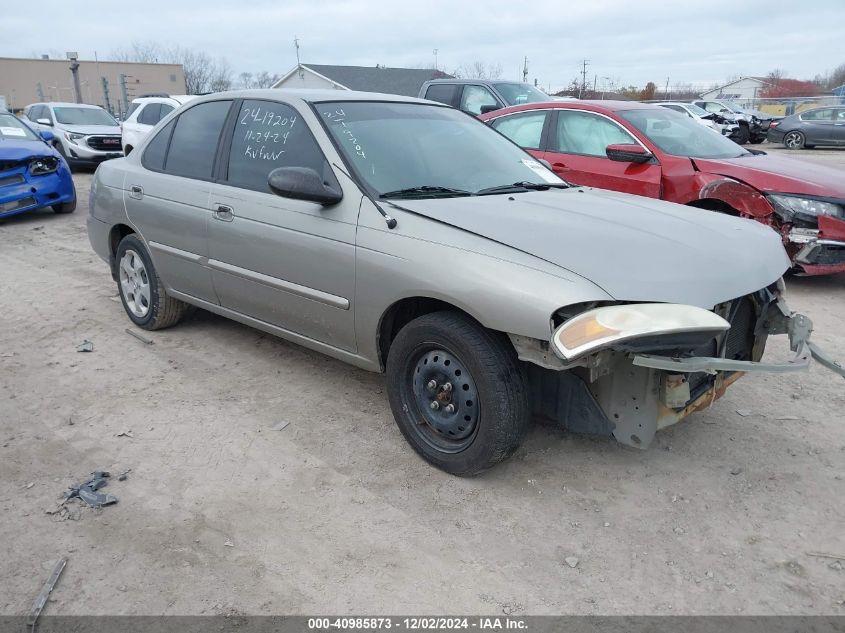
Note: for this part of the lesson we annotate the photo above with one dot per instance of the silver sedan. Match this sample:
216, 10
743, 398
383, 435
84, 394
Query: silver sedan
404, 236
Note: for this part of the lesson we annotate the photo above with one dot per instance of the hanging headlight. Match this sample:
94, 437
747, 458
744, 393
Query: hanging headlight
598, 328
41, 166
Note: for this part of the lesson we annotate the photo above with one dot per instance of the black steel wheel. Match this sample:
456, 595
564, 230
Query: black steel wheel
458, 392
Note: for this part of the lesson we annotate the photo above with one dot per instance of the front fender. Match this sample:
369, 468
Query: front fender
748, 201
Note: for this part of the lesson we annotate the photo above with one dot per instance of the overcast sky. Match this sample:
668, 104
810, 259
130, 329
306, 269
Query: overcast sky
628, 41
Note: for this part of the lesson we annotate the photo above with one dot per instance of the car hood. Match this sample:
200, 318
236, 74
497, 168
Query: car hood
778, 174
92, 129
14, 150
634, 248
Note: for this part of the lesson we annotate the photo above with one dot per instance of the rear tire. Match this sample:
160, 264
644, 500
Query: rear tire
480, 388
144, 298
743, 135
794, 140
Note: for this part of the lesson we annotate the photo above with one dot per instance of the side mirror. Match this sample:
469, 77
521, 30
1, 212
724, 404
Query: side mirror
302, 183
628, 153
489, 108
47, 135
44, 122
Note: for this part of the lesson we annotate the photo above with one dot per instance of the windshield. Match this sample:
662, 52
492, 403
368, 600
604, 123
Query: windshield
517, 94
83, 116
12, 128
679, 135
399, 146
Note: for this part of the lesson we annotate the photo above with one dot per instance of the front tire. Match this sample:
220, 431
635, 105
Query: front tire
743, 135
458, 392
65, 207
794, 140
143, 295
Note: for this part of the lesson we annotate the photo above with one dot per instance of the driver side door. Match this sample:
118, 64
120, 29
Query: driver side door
576, 146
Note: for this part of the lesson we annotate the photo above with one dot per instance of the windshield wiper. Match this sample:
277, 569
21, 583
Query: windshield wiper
524, 185
412, 192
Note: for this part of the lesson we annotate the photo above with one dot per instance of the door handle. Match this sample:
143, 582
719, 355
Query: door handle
136, 192
223, 213
559, 167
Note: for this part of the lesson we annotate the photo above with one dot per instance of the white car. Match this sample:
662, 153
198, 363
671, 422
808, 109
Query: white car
144, 113
709, 119
84, 134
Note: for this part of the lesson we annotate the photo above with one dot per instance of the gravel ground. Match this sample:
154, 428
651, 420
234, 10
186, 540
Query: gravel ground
223, 513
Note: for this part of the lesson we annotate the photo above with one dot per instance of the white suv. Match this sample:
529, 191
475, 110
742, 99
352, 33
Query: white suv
84, 134
144, 113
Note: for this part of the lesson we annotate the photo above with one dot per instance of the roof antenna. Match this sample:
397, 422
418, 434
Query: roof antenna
298, 64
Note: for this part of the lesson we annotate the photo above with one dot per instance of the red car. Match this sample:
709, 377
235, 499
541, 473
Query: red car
652, 151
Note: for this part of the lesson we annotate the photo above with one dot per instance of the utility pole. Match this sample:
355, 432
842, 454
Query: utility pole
435, 59
666, 92
584, 65
124, 91
525, 70
40, 89
74, 70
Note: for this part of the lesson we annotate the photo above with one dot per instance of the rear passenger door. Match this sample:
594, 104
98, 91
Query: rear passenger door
167, 196
527, 129
286, 262
839, 126
819, 126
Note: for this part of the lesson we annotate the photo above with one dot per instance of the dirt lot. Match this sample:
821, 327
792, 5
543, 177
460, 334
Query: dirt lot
335, 513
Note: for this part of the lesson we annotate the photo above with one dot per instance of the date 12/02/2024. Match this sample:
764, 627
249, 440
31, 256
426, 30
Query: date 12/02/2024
417, 623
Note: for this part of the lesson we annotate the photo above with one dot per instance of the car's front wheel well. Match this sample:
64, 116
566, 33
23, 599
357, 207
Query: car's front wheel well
714, 204
118, 232
403, 312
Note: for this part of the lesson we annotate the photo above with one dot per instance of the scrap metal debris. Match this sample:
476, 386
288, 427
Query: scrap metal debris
122, 476
143, 339
87, 491
85, 346
44, 594
126, 433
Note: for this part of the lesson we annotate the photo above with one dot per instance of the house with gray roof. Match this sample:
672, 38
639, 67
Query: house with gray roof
398, 81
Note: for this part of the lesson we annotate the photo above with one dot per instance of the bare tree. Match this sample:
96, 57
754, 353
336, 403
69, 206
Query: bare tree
837, 77
245, 80
478, 70
202, 73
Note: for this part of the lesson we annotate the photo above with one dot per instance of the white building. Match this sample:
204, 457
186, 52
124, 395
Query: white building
743, 89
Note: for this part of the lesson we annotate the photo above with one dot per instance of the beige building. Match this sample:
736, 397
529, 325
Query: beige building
25, 81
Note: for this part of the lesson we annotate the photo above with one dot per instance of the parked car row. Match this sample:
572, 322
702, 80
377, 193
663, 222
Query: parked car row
401, 235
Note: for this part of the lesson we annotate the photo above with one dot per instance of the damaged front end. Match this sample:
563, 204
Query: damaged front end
813, 231
632, 369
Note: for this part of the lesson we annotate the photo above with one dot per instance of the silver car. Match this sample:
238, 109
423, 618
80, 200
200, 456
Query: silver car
406, 237
85, 135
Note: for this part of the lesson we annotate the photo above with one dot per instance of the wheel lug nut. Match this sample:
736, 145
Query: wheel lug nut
450, 408
447, 386
435, 405
432, 384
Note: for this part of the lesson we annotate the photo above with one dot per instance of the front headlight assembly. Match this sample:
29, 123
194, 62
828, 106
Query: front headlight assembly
603, 327
790, 206
42, 166
73, 137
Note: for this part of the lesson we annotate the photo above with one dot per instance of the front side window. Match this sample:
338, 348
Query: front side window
12, 128
394, 146
69, 115
194, 142
674, 107
269, 135
679, 136
587, 133
476, 97
132, 108
444, 93
525, 128
151, 114
825, 114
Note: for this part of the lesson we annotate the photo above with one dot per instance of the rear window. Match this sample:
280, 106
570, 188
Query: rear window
151, 114
444, 93
194, 143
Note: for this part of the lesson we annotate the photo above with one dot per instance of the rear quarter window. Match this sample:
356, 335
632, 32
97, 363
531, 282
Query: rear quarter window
193, 145
444, 93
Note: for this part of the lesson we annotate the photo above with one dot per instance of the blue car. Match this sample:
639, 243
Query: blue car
33, 175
